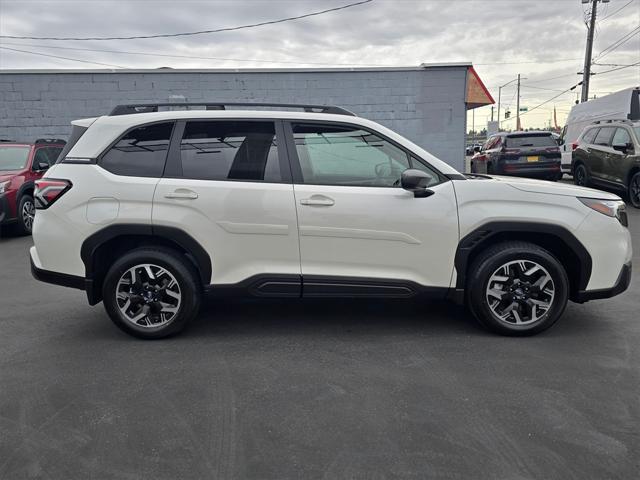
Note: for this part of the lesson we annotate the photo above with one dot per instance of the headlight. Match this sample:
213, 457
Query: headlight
610, 208
4, 186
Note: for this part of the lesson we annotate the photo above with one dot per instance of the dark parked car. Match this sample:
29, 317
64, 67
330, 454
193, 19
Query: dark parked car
522, 154
21, 164
608, 156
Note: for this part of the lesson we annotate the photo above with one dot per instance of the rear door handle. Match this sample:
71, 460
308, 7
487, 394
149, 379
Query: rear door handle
318, 201
182, 193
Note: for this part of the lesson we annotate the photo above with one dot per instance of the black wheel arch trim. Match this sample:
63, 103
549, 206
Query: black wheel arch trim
175, 235
484, 233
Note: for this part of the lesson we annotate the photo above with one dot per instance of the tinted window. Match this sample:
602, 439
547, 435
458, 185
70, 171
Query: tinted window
530, 141
336, 155
141, 152
13, 158
589, 135
215, 150
621, 137
76, 133
46, 155
603, 136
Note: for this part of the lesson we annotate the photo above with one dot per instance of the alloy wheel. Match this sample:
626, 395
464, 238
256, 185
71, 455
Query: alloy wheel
148, 296
520, 292
28, 214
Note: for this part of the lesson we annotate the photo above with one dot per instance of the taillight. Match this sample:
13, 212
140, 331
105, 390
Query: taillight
574, 145
48, 191
511, 151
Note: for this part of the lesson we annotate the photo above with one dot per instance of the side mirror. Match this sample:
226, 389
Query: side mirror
477, 149
42, 166
416, 181
622, 147
560, 142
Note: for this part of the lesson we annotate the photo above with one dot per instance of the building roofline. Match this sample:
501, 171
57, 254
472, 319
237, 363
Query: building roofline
422, 66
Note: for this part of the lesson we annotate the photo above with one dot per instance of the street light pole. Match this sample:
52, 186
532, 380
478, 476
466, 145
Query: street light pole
500, 94
518, 106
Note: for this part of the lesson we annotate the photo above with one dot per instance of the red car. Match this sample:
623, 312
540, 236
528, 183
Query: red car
21, 164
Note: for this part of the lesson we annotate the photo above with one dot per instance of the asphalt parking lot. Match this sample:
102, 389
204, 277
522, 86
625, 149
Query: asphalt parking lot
305, 390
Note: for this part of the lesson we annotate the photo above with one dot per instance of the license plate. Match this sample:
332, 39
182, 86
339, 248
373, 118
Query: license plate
532, 159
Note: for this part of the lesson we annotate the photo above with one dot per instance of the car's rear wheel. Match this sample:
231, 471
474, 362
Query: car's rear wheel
581, 175
151, 293
26, 214
517, 288
634, 190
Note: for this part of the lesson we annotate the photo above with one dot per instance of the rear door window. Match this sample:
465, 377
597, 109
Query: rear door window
141, 152
603, 138
530, 141
223, 150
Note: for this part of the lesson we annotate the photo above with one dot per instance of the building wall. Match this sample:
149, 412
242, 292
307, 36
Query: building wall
424, 104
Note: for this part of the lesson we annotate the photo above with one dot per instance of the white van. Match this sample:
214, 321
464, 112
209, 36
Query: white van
624, 104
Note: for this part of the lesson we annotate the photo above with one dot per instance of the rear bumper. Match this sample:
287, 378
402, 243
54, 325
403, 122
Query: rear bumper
622, 283
57, 278
64, 280
542, 170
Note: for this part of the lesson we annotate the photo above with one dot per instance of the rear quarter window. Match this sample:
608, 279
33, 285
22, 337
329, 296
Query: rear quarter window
589, 135
141, 152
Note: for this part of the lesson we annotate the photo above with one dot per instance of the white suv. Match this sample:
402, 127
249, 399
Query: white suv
147, 210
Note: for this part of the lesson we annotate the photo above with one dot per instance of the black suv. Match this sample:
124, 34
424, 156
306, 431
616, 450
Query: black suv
608, 156
522, 154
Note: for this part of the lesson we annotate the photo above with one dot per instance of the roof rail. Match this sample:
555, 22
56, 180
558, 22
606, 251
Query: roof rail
49, 140
153, 107
611, 120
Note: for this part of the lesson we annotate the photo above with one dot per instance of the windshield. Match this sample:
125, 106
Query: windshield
636, 128
531, 141
13, 158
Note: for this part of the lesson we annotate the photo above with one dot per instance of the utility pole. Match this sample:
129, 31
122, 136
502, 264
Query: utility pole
492, 113
586, 71
518, 105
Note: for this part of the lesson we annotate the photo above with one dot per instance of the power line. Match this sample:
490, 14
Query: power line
218, 30
621, 41
64, 58
619, 68
613, 13
123, 52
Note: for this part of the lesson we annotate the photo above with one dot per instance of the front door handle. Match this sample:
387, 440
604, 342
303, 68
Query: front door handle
182, 193
318, 201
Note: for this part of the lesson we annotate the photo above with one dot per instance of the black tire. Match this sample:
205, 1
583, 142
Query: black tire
634, 190
581, 175
182, 271
489, 169
26, 213
489, 262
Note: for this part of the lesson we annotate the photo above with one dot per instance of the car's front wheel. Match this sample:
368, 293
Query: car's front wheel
517, 288
26, 214
634, 190
151, 292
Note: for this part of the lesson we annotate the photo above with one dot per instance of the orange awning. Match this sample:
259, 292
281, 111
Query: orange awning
477, 94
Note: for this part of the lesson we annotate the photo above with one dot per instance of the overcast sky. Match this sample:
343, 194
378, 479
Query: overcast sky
540, 39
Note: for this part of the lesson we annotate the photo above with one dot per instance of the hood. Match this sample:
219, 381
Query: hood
553, 188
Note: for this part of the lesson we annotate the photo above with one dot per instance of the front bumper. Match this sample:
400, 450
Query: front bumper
5, 213
623, 282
